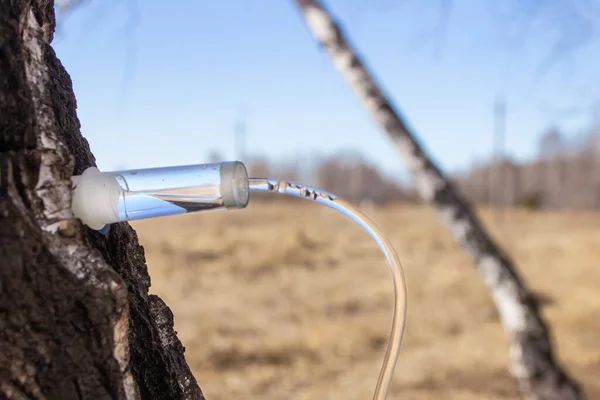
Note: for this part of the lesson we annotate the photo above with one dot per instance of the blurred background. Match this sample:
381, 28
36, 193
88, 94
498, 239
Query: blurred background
289, 300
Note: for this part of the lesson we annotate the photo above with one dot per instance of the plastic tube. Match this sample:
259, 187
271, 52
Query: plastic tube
392, 352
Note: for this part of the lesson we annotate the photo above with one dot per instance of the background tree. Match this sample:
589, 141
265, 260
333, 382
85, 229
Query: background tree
76, 319
533, 362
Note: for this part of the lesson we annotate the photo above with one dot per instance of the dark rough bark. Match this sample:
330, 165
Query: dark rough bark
76, 319
533, 362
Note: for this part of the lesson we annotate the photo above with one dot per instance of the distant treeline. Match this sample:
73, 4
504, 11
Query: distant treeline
346, 175
565, 174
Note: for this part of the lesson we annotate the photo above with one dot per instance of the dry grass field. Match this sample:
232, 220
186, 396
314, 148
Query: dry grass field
290, 300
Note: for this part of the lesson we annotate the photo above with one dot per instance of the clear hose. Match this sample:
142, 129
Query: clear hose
399, 319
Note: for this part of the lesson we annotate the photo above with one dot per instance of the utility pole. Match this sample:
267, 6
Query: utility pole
240, 128
499, 185
499, 143
240, 133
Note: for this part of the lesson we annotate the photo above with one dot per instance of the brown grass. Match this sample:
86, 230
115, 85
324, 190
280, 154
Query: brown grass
289, 300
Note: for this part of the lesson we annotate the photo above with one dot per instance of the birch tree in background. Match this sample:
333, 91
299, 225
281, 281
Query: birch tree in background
533, 363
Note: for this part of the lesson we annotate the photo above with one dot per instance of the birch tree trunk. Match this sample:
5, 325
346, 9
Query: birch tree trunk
76, 319
533, 363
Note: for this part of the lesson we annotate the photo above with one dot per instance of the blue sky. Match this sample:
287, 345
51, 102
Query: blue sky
163, 85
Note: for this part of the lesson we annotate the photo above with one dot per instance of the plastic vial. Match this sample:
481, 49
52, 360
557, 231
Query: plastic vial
102, 198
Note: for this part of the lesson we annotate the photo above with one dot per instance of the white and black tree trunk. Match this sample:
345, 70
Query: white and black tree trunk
533, 363
76, 319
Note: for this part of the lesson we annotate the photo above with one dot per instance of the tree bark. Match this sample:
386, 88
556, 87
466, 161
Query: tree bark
76, 319
533, 363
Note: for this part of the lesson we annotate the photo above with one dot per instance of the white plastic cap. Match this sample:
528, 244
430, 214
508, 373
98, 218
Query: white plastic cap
95, 198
